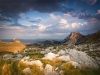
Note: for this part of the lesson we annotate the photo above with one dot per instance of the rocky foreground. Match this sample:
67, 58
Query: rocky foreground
55, 60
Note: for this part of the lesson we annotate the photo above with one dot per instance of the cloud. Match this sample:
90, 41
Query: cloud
41, 27
66, 15
55, 17
89, 16
36, 20
63, 21
74, 25
4, 18
84, 10
15, 8
90, 1
85, 16
98, 12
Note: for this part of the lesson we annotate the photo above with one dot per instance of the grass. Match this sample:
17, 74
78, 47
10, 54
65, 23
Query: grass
9, 67
36, 70
55, 62
11, 46
34, 55
92, 39
70, 70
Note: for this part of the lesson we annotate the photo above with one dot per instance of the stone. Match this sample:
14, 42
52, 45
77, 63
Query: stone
50, 56
7, 56
64, 58
27, 71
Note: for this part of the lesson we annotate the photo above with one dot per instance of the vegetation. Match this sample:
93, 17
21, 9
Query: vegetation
70, 70
11, 46
93, 38
9, 67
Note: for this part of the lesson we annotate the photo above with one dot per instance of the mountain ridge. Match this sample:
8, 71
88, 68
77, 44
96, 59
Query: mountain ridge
74, 38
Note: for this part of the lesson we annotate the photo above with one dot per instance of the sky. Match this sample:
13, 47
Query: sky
48, 19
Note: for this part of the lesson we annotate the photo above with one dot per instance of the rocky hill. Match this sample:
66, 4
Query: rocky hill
77, 38
15, 45
74, 38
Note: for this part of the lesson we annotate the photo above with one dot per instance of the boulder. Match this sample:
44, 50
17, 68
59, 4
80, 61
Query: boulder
50, 56
27, 71
49, 70
81, 58
64, 58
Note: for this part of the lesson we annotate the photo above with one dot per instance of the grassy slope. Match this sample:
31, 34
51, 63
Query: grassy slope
11, 46
95, 37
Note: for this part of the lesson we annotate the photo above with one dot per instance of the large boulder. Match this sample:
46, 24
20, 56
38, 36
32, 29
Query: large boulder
29, 61
50, 56
80, 58
49, 70
27, 71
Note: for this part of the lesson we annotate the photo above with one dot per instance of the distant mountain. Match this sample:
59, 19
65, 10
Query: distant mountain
73, 38
78, 38
15, 45
45, 43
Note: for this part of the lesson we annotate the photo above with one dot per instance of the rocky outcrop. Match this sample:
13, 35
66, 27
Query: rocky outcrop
16, 40
49, 70
74, 38
15, 45
79, 57
27, 71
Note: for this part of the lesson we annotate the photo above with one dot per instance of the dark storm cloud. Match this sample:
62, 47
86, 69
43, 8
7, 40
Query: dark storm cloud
96, 16
16, 24
90, 1
85, 16
3, 18
88, 16
15, 7
84, 10
12, 8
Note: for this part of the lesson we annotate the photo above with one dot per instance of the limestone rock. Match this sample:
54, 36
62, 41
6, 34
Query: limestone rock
50, 56
49, 70
64, 58
82, 58
73, 38
27, 71
16, 40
